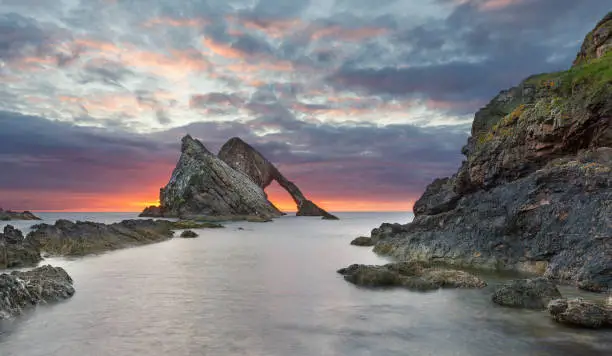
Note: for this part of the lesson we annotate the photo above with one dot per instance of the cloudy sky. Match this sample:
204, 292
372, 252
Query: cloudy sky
362, 103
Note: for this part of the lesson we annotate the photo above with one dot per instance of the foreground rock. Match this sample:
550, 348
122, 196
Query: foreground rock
188, 234
534, 192
579, 312
22, 290
526, 293
363, 241
230, 185
67, 238
6, 215
17, 251
410, 275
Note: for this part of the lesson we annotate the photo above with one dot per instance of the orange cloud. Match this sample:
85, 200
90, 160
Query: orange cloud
345, 34
222, 49
172, 22
272, 28
492, 5
176, 64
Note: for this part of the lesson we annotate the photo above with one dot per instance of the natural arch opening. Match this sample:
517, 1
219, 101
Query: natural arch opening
278, 196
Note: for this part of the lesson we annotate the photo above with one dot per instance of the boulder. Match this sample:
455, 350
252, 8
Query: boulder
579, 312
410, 275
17, 251
22, 290
526, 293
188, 234
363, 241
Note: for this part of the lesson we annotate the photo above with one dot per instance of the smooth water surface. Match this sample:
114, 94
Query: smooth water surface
271, 289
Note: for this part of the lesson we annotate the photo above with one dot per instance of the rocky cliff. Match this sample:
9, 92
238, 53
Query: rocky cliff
244, 158
535, 192
231, 184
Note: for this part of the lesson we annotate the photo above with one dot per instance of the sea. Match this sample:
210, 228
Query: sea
271, 289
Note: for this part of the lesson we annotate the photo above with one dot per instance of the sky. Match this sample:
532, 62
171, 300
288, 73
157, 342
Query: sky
361, 103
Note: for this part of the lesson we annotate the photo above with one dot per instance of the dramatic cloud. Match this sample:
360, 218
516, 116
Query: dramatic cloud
356, 101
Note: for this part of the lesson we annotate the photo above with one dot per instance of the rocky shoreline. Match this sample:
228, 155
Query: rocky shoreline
535, 191
8, 215
22, 290
534, 195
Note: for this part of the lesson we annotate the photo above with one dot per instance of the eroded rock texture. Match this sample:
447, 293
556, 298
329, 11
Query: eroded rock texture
535, 191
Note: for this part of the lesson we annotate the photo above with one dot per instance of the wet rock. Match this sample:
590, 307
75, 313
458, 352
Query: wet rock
579, 312
189, 234
7, 215
526, 293
534, 192
17, 251
410, 275
363, 241
190, 224
22, 290
67, 238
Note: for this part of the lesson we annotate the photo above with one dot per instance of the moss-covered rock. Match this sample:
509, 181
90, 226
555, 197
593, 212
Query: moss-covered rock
410, 275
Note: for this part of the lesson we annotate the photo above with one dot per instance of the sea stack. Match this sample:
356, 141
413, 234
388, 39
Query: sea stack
243, 157
229, 185
535, 191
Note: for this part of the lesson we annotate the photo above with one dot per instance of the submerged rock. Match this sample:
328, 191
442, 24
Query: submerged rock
535, 189
190, 224
22, 290
189, 234
410, 275
579, 312
526, 293
67, 238
363, 241
6, 215
17, 251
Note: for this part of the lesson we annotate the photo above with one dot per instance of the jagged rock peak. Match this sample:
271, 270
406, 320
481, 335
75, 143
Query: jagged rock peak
189, 145
597, 43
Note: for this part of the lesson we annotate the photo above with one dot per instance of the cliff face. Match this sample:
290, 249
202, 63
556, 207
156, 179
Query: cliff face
202, 184
244, 158
535, 192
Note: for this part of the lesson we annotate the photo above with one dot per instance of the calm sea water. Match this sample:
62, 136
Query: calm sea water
271, 289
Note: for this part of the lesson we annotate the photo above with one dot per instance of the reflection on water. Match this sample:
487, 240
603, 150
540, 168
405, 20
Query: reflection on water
271, 289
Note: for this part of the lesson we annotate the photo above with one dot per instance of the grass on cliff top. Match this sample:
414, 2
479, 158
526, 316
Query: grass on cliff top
588, 77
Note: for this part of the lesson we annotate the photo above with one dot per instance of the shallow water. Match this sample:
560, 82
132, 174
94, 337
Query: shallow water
271, 289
